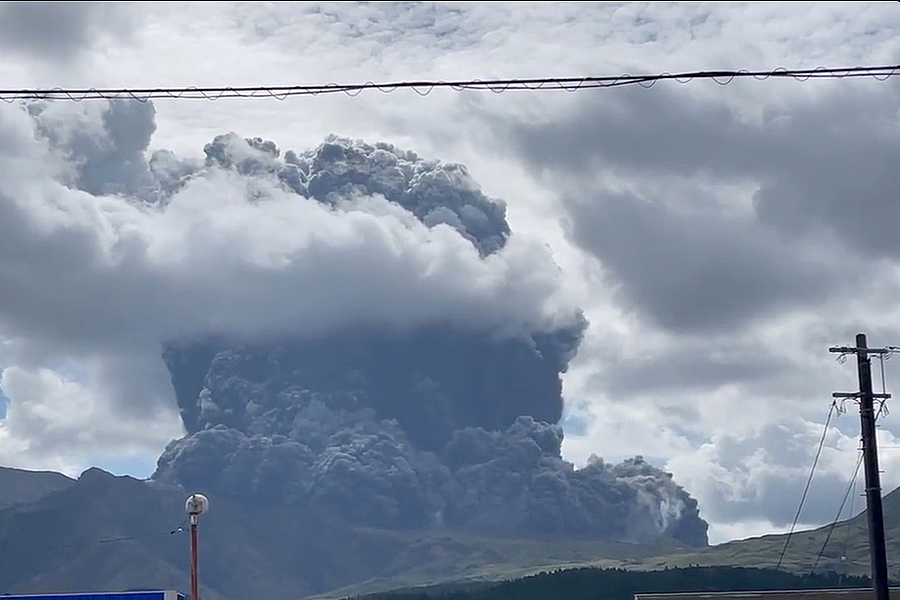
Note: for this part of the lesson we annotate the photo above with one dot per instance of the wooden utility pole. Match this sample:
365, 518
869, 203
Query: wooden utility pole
874, 510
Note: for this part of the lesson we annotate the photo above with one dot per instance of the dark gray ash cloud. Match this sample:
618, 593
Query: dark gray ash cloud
403, 430
415, 432
351, 327
435, 193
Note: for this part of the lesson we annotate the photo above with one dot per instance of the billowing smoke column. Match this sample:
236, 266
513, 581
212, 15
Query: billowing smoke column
431, 426
351, 328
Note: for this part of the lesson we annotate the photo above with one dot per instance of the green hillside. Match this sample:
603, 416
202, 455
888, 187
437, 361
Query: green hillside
847, 550
847, 553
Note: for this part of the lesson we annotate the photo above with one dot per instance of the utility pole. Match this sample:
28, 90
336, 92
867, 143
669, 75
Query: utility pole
874, 510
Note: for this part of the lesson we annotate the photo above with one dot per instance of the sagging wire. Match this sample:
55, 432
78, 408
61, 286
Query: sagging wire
181, 528
848, 495
426, 87
812, 471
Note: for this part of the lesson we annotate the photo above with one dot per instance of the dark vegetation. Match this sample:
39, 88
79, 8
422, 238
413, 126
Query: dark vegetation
619, 584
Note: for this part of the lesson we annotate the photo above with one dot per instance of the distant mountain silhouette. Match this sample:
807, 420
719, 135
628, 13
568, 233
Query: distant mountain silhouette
18, 486
104, 532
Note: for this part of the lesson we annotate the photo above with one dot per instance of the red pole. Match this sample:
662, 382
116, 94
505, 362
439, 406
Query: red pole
195, 506
195, 560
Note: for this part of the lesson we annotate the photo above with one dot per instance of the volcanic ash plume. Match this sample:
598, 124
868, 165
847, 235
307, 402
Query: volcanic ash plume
438, 425
352, 328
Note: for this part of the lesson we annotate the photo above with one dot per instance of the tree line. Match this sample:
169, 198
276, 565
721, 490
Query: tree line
621, 584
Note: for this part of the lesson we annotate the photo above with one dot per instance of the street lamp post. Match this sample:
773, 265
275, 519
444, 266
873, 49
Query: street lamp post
196, 505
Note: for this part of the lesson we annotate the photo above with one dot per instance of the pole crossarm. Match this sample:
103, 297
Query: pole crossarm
857, 395
855, 350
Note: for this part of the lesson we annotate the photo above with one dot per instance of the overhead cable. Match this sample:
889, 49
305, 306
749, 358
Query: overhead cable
424, 87
809, 479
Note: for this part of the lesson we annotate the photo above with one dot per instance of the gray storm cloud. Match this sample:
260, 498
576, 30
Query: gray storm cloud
351, 327
59, 32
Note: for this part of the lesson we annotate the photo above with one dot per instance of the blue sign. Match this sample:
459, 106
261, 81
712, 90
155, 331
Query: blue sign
139, 595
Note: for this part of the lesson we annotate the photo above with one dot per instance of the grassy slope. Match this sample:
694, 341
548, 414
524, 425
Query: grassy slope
847, 550
848, 540
434, 557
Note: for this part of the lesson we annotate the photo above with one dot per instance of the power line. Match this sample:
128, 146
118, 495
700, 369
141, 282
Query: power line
883, 406
111, 540
882, 411
125, 538
847, 495
847, 530
425, 87
808, 482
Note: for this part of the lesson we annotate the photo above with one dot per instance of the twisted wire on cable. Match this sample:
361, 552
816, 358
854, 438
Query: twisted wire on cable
425, 87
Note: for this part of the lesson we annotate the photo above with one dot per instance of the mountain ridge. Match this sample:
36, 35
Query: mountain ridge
116, 532
106, 532
22, 486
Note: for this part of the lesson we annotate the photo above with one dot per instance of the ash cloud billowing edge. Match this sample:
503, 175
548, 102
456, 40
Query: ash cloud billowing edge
376, 428
436, 427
